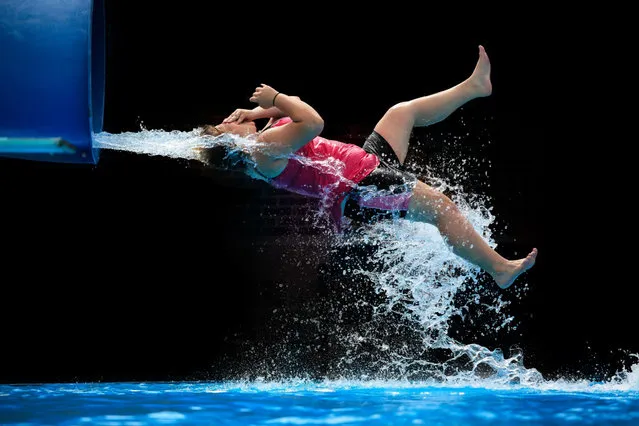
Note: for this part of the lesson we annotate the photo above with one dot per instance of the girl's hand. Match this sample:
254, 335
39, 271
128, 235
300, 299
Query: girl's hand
239, 115
264, 96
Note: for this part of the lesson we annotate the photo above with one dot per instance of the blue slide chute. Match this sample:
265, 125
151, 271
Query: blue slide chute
52, 79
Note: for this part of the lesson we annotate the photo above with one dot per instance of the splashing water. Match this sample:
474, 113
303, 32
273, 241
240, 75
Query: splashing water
421, 281
172, 144
422, 287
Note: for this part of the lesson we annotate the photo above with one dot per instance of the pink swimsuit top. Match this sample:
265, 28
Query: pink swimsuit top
325, 168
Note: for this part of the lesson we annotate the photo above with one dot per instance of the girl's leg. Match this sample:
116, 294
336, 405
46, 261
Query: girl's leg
430, 206
398, 122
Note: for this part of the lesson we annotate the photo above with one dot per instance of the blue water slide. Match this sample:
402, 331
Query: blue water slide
51, 79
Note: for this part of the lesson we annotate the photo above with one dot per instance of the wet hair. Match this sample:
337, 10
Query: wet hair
210, 130
226, 155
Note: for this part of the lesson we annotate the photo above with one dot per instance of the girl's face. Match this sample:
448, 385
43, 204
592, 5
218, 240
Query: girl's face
244, 129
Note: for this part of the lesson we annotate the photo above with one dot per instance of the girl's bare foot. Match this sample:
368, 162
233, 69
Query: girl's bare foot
513, 269
480, 78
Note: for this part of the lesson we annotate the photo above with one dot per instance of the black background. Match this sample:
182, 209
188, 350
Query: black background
144, 268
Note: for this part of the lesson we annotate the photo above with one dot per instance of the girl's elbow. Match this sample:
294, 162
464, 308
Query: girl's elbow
318, 124
313, 128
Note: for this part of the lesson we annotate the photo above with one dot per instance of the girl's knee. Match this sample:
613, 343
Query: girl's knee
401, 110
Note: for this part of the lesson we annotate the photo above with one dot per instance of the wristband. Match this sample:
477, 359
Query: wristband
275, 97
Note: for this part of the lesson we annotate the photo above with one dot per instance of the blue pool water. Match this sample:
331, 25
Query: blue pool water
305, 403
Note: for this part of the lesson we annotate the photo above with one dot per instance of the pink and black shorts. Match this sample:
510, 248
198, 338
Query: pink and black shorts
386, 191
